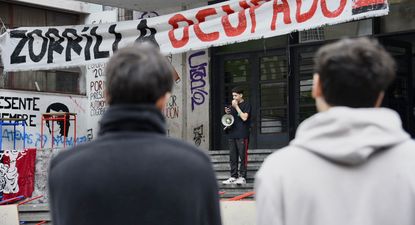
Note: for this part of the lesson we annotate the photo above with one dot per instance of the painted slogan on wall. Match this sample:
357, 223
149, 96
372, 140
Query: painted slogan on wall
198, 100
95, 79
30, 106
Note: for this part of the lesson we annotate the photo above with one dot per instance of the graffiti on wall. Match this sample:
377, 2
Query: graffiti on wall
197, 80
30, 106
171, 110
35, 139
198, 135
96, 89
14, 103
63, 124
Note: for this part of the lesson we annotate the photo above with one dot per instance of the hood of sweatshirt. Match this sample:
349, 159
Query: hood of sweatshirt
348, 135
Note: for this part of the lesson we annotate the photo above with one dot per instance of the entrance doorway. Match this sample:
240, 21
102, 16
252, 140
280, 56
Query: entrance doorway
263, 76
278, 85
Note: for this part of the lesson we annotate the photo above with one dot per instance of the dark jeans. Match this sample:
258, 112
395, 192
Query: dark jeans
238, 150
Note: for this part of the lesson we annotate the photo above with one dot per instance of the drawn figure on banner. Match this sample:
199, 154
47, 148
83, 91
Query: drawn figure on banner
147, 14
59, 107
197, 80
8, 173
198, 135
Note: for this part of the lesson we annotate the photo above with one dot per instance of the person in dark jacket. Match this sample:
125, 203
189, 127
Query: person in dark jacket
238, 135
133, 173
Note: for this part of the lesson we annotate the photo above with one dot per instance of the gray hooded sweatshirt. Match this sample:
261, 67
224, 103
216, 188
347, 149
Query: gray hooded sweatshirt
345, 167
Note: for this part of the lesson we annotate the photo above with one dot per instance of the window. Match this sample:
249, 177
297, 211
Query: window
273, 94
62, 81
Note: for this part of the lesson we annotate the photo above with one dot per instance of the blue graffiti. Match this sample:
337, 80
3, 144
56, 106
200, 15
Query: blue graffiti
198, 83
35, 139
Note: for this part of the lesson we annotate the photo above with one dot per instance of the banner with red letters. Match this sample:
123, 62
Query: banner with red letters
34, 48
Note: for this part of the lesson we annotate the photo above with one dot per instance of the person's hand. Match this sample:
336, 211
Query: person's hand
234, 103
227, 110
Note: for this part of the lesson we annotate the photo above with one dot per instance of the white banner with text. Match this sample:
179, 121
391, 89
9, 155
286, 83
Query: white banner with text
35, 48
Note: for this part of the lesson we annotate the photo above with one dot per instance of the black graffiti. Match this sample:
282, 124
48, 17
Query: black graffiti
70, 41
90, 134
198, 135
97, 107
19, 103
29, 120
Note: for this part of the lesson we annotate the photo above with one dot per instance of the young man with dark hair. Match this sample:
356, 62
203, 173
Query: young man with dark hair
351, 163
238, 135
132, 173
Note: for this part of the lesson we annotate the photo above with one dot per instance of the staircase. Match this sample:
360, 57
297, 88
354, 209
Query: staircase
220, 160
34, 214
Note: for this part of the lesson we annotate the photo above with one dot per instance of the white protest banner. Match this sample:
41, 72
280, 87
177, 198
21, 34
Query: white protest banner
32, 48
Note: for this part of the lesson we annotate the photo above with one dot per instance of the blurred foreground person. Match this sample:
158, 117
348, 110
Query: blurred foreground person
132, 173
351, 163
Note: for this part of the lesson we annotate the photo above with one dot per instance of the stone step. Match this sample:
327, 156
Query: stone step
233, 193
227, 167
235, 186
250, 151
221, 176
34, 213
225, 158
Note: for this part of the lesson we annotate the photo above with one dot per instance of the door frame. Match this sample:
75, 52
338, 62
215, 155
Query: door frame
218, 139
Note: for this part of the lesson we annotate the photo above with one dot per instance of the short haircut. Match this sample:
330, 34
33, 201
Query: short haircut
353, 72
138, 74
238, 90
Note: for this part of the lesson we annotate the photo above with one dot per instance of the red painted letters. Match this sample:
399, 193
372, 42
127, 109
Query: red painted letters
174, 22
278, 8
305, 16
200, 16
335, 13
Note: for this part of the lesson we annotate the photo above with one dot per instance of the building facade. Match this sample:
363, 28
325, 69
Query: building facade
276, 73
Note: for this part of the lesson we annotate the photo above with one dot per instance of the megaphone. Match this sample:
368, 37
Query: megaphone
227, 120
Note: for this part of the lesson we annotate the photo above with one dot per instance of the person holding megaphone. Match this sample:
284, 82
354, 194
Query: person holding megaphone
238, 134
